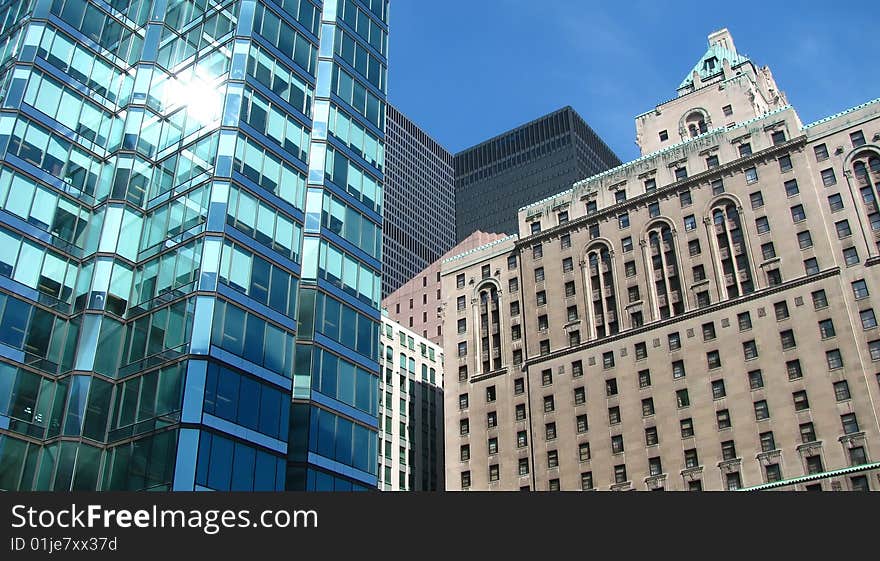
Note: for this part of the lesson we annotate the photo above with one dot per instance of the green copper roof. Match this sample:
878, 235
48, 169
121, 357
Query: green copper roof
712, 63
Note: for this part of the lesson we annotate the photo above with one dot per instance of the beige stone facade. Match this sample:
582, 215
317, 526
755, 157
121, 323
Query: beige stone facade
415, 305
699, 318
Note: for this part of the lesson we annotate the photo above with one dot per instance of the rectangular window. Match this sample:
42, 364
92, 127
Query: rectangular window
745, 321
768, 443
674, 340
751, 175
644, 378
781, 310
550, 431
565, 241
778, 137
691, 460
834, 359
586, 481
539, 274
684, 198
582, 423
828, 177
681, 173
750, 350
757, 199
520, 412
647, 407
523, 465
857, 138
611, 387
843, 229
850, 424
678, 369
687, 427
811, 266
713, 359
548, 404
567, 265
787, 339
869, 320
627, 244
641, 350
712, 161
723, 418
805, 240
745, 149
801, 402
682, 398
577, 369
614, 415
860, 289
690, 223
821, 152
761, 410
537, 251
552, 459
762, 225
797, 213
584, 451
623, 220
841, 390
851, 256
519, 386
756, 380
835, 202
826, 328
651, 436
580, 396
718, 390
608, 360
784, 166
793, 369
617, 444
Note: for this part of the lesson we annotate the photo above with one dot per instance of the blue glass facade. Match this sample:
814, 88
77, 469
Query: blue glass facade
190, 243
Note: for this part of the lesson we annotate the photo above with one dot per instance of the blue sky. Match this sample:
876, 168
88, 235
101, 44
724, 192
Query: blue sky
466, 70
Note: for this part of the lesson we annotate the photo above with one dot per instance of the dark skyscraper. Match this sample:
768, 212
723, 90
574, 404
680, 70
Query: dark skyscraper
419, 215
495, 178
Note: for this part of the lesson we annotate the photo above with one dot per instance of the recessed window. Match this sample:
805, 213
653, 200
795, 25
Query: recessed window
761, 410
567, 265
850, 424
539, 274
548, 404
690, 223
791, 188
798, 213
869, 320
537, 251
728, 110
546, 377
718, 389
828, 177
750, 350
647, 407
801, 402
821, 152
535, 227
820, 300
757, 199
519, 386
611, 387
682, 398
687, 428
550, 431
768, 442
694, 248
712, 161
717, 186
674, 340
768, 250
851, 256
580, 396
762, 225
520, 412
681, 173
584, 451
562, 217
843, 229
685, 198
835, 202
565, 241
623, 220
617, 444
627, 244
745, 149
629, 269
608, 359
826, 328
708, 331
805, 240
581, 422
569, 289
811, 266
678, 369
778, 137
744, 320
841, 390
651, 436
620, 196
787, 339
664, 135
644, 378
834, 359
751, 175
723, 418
857, 138
614, 415
654, 210
756, 380
793, 369
781, 310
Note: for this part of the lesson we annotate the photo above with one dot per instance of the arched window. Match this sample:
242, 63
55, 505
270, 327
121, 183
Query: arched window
665, 273
601, 294
737, 278
866, 168
490, 329
696, 123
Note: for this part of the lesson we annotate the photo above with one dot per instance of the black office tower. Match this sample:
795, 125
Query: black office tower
495, 178
419, 211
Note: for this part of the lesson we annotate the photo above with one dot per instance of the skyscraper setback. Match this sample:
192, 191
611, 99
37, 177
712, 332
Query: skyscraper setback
191, 223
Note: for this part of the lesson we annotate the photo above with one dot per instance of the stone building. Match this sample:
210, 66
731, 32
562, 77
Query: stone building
698, 318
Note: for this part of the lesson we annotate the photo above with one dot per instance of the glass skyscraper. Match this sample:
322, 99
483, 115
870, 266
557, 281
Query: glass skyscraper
190, 243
